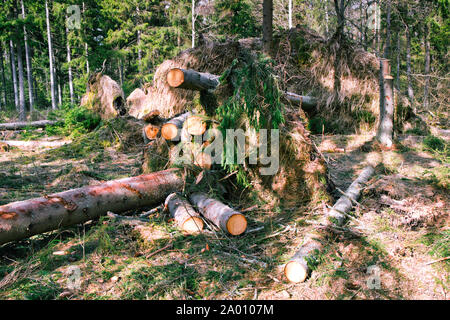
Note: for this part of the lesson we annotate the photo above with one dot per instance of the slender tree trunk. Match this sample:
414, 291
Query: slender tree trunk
387, 46
290, 14
193, 23
408, 68
427, 67
267, 24
69, 60
327, 19
22, 115
139, 40
86, 51
50, 55
397, 76
5, 92
59, 92
14, 74
28, 61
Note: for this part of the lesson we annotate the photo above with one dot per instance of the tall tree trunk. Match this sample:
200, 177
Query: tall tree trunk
397, 76
5, 92
408, 63
22, 115
339, 38
50, 55
267, 24
427, 67
28, 61
387, 46
193, 23
86, 49
327, 22
69, 60
12, 59
290, 14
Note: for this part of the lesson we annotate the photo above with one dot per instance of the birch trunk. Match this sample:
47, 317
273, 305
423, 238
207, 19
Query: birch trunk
22, 115
28, 62
69, 60
50, 57
12, 60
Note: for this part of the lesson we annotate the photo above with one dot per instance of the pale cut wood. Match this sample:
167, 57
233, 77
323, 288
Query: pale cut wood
183, 213
191, 79
24, 124
23, 219
297, 269
195, 125
203, 160
306, 102
151, 132
171, 129
221, 215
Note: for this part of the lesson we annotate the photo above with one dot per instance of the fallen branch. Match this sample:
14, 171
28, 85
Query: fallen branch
22, 125
23, 219
297, 269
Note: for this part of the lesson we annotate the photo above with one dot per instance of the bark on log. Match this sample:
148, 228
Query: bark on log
306, 102
191, 79
151, 116
23, 124
194, 80
183, 213
296, 270
221, 215
172, 128
23, 219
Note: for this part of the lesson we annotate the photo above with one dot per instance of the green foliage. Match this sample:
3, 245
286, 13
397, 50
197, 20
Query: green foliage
76, 121
434, 143
256, 98
318, 125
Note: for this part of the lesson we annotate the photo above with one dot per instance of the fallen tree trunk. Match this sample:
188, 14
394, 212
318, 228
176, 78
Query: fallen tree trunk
221, 215
23, 219
306, 102
35, 144
297, 269
183, 213
191, 79
171, 129
22, 125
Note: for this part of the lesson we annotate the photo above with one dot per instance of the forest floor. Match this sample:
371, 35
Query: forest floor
400, 225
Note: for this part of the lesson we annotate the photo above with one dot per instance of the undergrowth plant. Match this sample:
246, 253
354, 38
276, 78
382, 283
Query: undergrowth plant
255, 98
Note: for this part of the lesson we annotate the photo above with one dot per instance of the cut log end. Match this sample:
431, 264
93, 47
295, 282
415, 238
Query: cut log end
295, 272
175, 78
196, 126
193, 225
169, 131
151, 131
237, 224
